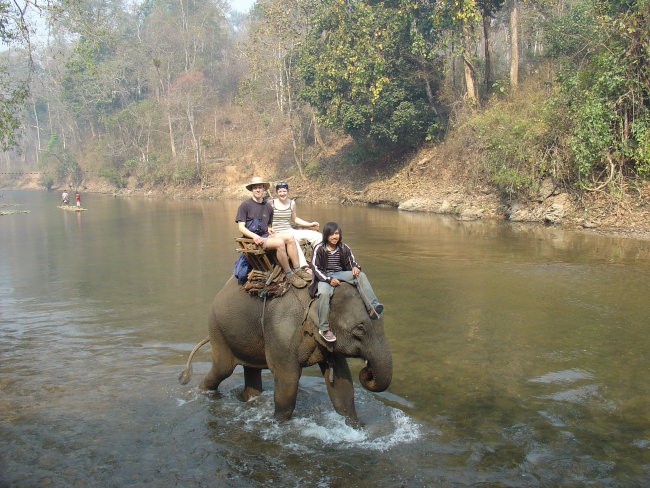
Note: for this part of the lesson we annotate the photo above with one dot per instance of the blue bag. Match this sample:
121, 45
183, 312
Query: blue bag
241, 269
256, 226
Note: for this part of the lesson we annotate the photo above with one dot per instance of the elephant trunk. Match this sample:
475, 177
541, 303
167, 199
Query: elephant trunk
378, 372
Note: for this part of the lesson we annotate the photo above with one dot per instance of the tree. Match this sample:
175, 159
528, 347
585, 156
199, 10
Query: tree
488, 9
277, 30
14, 80
183, 37
186, 98
605, 80
514, 43
14, 92
361, 75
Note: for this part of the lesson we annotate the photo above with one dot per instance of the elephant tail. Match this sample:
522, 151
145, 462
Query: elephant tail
186, 374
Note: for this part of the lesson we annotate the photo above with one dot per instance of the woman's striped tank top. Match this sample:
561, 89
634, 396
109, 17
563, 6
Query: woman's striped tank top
281, 218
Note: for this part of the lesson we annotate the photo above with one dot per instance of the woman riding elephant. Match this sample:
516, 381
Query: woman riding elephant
286, 220
333, 262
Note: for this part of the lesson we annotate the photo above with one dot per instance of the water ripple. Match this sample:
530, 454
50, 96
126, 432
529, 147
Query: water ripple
565, 376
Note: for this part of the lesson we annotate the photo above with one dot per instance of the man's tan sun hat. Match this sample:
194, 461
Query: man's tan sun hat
257, 181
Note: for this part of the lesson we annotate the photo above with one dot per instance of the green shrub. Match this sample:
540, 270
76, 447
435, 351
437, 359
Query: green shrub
114, 177
131, 165
604, 86
511, 181
592, 134
46, 181
186, 175
512, 139
312, 168
641, 131
361, 153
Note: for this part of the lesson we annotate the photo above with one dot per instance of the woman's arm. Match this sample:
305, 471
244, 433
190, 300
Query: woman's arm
297, 220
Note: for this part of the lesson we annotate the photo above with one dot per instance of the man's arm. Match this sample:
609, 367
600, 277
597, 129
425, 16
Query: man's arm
259, 240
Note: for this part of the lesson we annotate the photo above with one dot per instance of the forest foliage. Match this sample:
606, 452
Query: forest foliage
167, 93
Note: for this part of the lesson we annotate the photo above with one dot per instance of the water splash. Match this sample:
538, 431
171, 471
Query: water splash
320, 426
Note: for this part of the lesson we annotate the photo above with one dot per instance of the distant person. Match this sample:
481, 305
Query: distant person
78, 197
254, 220
284, 215
65, 198
332, 263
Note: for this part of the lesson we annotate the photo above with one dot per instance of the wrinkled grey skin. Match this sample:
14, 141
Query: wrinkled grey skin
288, 341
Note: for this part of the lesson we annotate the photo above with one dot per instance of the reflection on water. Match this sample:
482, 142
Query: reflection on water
520, 355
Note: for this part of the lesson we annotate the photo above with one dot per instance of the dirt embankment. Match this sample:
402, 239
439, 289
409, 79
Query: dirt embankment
430, 181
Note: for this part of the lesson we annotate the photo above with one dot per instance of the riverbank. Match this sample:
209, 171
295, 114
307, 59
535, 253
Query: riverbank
431, 181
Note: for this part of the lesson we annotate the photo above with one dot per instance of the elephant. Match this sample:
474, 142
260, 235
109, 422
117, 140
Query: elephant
281, 334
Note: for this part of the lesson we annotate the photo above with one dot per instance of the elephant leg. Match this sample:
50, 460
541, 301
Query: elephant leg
222, 367
341, 390
253, 383
286, 391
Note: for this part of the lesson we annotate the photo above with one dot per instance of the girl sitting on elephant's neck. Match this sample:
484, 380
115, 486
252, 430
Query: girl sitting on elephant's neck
333, 262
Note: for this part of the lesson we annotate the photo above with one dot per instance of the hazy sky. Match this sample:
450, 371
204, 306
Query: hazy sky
242, 5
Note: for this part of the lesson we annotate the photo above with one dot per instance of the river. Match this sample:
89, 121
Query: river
521, 355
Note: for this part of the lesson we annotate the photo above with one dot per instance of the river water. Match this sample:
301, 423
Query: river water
521, 355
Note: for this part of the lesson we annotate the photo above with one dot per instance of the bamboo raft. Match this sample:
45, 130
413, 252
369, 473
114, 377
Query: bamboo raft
9, 209
72, 208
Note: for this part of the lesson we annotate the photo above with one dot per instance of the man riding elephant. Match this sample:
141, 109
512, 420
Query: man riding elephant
255, 219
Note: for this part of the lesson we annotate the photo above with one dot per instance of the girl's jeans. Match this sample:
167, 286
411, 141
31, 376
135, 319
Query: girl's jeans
325, 291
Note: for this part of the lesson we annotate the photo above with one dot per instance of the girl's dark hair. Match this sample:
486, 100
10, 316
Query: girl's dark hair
329, 228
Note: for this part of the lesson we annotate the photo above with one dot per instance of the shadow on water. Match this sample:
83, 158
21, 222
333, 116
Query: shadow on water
520, 355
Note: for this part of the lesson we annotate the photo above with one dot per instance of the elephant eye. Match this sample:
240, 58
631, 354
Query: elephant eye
359, 330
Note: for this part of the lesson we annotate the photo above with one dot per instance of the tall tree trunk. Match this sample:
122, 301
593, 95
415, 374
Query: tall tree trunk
317, 135
297, 154
488, 54
38, 134
171, 135
184, 23
146, 155
280, 77
470, 85
427, 88
286, 95
514, 45
452, 65
197, 148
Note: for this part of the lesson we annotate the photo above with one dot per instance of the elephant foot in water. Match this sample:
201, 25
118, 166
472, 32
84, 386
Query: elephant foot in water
338, 381
252, 383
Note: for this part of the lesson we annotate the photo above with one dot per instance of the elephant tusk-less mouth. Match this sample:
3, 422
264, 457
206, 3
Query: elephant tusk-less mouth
370, 381
366, 375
